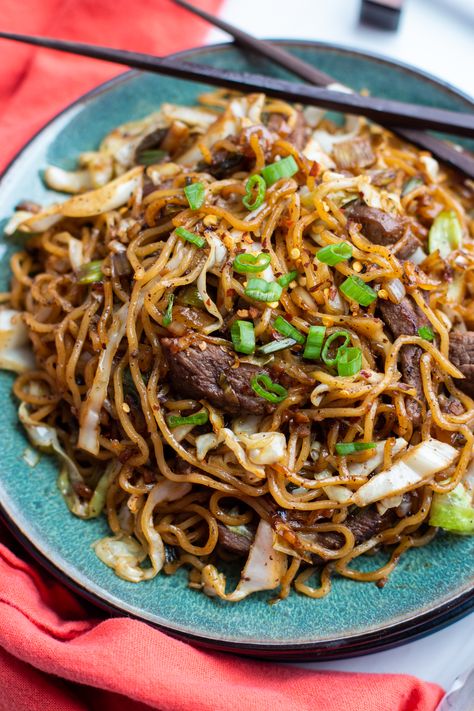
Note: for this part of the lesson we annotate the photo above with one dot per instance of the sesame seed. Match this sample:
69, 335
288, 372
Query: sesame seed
125, 407
210, 220
383, 294
295, 253
357, 266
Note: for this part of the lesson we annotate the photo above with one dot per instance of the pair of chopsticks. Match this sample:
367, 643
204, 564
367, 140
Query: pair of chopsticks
455, 157
384, 111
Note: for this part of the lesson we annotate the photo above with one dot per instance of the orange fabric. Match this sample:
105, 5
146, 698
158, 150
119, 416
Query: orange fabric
59, 653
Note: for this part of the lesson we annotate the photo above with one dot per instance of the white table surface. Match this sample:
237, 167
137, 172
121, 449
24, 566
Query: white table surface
435, 35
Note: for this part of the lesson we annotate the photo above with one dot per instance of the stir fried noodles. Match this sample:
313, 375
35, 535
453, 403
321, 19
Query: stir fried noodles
246, 337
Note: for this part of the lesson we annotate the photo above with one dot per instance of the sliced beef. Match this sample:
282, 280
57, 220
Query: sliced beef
406, 246
378, 226
151, 141
298, 136
353, 154
364, 523
404, 319
203, 370
451, 405
232, 541
225, 163
461, 354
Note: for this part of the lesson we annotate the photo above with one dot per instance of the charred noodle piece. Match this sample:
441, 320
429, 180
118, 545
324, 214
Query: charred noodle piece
203, 370
225, 163
232, 541
404, 319
364, 524
383, 228
461, 354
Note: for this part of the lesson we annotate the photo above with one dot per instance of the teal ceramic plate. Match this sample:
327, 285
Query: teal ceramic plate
430, 587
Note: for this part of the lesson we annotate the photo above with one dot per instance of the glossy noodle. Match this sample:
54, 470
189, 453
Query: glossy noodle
252, 342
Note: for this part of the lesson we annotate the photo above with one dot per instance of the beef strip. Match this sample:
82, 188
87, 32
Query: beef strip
461, 354
206, 372
225, 163
404, 319
364, 523
298, 136
151, 141
406, 246
232, 541
450, 405
378, 226
353, 154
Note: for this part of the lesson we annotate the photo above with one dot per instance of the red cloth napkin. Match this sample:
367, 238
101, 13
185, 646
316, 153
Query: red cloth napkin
56, 652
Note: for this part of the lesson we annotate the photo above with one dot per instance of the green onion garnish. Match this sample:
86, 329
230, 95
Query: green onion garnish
254, 198
168, 315
150, 157
410, 185
264, 386
262, 290
445, 233
349, 361
200, 418
286, 279
286, 329
426, 332
275, 346
90, 273
284, 168
356, 289
243, 336
191, 237
334, 336
251, 263
343, 448
314, 342
195, 194
335, 253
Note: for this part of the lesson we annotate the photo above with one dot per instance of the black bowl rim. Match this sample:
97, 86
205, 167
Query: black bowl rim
365, 643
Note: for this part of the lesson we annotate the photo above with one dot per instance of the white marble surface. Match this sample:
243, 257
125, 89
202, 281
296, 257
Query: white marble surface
435, 35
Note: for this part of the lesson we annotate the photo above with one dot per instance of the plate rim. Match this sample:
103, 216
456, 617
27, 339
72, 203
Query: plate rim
386, 637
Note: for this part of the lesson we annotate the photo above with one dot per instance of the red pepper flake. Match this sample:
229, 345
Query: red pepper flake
314, 170
230, 292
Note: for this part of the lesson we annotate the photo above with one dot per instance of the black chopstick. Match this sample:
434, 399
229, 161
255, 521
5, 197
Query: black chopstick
392, 112
459, 159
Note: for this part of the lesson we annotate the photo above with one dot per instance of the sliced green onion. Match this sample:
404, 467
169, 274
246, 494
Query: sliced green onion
243, 336
335, 253
264, 386
200, 418
168, 315
254, 198
343, 448
426, 332
445, 234
314, 342
410, 185
191, 237
284, 168
286, 279
333, 337
262, 290
275, 346
349, 361
195, 194
190, 296
251, 263
356, 289
150, 157
90, 273
286, 329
